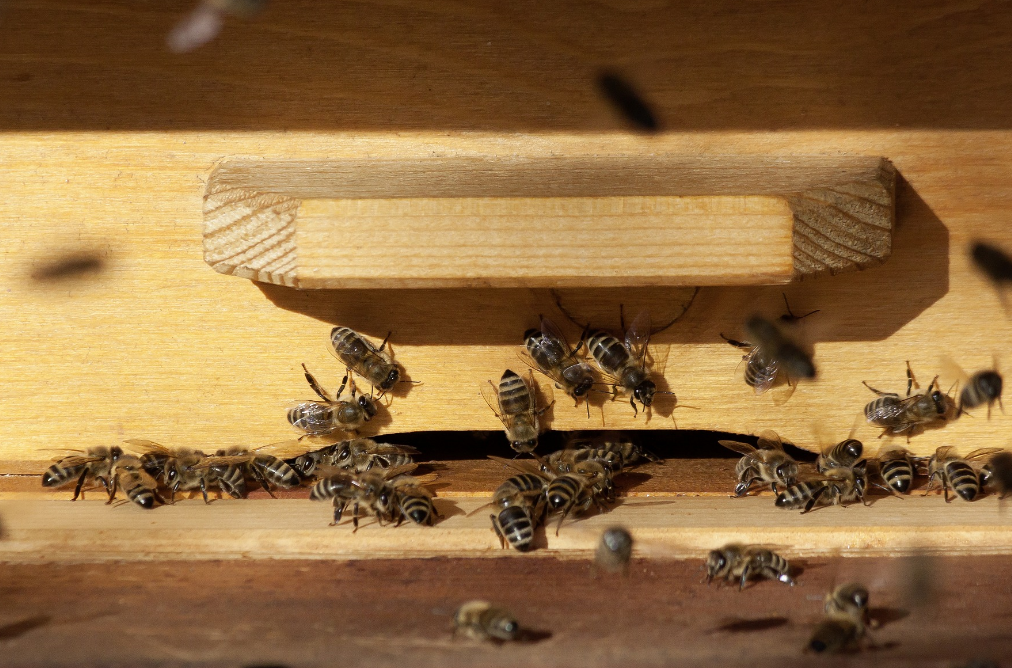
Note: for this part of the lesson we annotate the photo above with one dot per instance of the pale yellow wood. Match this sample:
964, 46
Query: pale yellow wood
489, 221
684, 527
158, 345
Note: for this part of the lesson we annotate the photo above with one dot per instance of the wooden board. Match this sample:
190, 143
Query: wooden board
483, 221
312, 613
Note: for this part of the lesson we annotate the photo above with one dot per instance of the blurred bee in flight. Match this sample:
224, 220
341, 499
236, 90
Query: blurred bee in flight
995, 265
482, 621
614, 551
204, 23
996, 474
771, 352
515, 403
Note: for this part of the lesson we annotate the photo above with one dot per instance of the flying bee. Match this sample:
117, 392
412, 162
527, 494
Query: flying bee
182, 469
358, 355
849, 599
984, 387
844, 454
614, 550
995, 265
550, 353
414, 501
480, 620
95, 464
139, 485
518, 410
767, 464
996, 474
321, 418
760, 371
735, 562
950, 470
837, 632
372, 492
897, 415
896, 469
836, 486
623, 364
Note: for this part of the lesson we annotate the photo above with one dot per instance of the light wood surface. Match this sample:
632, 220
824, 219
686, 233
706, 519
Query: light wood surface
682, 527
472, 222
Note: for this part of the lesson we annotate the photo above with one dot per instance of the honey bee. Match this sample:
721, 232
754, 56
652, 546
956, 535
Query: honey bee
760, 371
741, 562
320, 418
139, 485
182, 469
897, 415
358, 455
95, 464
358, 355
836, 486
851, 600
995, 264
844, 454
521, 503
588, 483
371, 492
480, 620
517, 409
837, 632
896, 469
550, 354
623, 364
232, 466
616, 455
984, 387
414, 501
996, 474
767, 464
950, 470
614, 550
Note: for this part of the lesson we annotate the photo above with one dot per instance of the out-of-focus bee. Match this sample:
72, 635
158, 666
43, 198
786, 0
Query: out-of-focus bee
205, 22
614, 550
521, 502
996, 474
320, 418
760, 371
775, 345
767, 464
844, 454
181, 469
358, 355
896, 469
549, 353
371, 492
95, 464
836, 486
837, 632
623, 364
849, 599
517, 403
588, 483
993, 263
735, 562
615, 455
480, 620
897, 415
139, 485
951, 470
984, 387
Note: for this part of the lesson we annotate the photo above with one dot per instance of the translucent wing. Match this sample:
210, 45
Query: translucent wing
769, 440
522, 465
739, 447
491, 396
295, 448
393, 449
638, 335
983, 452
943, 452
145, 445
391, 473
554, 338
222, 460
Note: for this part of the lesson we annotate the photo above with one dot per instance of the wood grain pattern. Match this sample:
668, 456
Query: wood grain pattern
493, 222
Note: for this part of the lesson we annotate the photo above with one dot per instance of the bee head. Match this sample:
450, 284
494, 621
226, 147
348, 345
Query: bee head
304, 465
644, 392
715, 563
524, 446
368, 406
115, 452
391, 379
505, 628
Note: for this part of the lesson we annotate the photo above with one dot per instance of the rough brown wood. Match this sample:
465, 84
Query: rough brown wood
383, 613
508, 222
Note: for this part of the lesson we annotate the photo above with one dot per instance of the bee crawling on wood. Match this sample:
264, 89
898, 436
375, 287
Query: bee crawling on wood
896, 468
846, 621
844, 454
766, 464
515, 403
897, 415
739, 563
550, 353
616, 454
520, 504
318, 418
947, 469
836, 486
389, 495
94, 464
358, 455
357, 354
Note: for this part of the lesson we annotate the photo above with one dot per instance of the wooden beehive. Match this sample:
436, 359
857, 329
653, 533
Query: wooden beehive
317, 164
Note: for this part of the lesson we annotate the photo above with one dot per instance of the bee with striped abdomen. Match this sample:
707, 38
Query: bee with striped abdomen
414, 500
771, 352
317, 418
623, 364
897, 415
371, 492
549, 352
767, 464
358, 355
181, 469
233, 466
836, 486
480, 620
517, 403
140, 487
950, 470
521, 503
95, 464
588, 483
735, 562
844, 454
358, 455
614, 454
984, 387
896, 469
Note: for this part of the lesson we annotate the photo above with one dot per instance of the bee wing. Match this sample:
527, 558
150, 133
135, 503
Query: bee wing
529, 362
76, 460
943, 452
983, 452
393, 449
552, 332
522, 465
739, 447
145, 445
398, 470
491, 396
354, 346
295, 448
951, 368
222, 460
481, 508
426, 479
638, 335
770, 440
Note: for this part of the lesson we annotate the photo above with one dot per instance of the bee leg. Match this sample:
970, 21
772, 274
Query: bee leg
80, 484
812, 501
313, 383
263, 481
745, 572
495, 527
878, 392
112, 490
632, 402
158, 497
621, 316
910, 378
344, 382
945, 490
203, 488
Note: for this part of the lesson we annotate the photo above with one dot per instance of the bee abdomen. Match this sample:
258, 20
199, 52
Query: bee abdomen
57, 475
608, 351
796, 496
964, 479
312, 417
882, 411
984, 388
276, 471
418, 509
898, 474
517, 527
327, 489
562, 491
514, 395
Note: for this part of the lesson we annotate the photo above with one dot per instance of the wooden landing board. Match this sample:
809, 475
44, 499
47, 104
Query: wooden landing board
588, 222
681, 527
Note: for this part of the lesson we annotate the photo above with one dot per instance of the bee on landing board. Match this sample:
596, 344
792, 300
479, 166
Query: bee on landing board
844, 454
766, 464
140, 487
515, 403
318, 418
179, 469
897, 415
359, 355
624, 364
94, 464
949, 470
520, 505
358, 455
372, 493
616, 454
549, 352
836, 486
739, 563
896, 468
